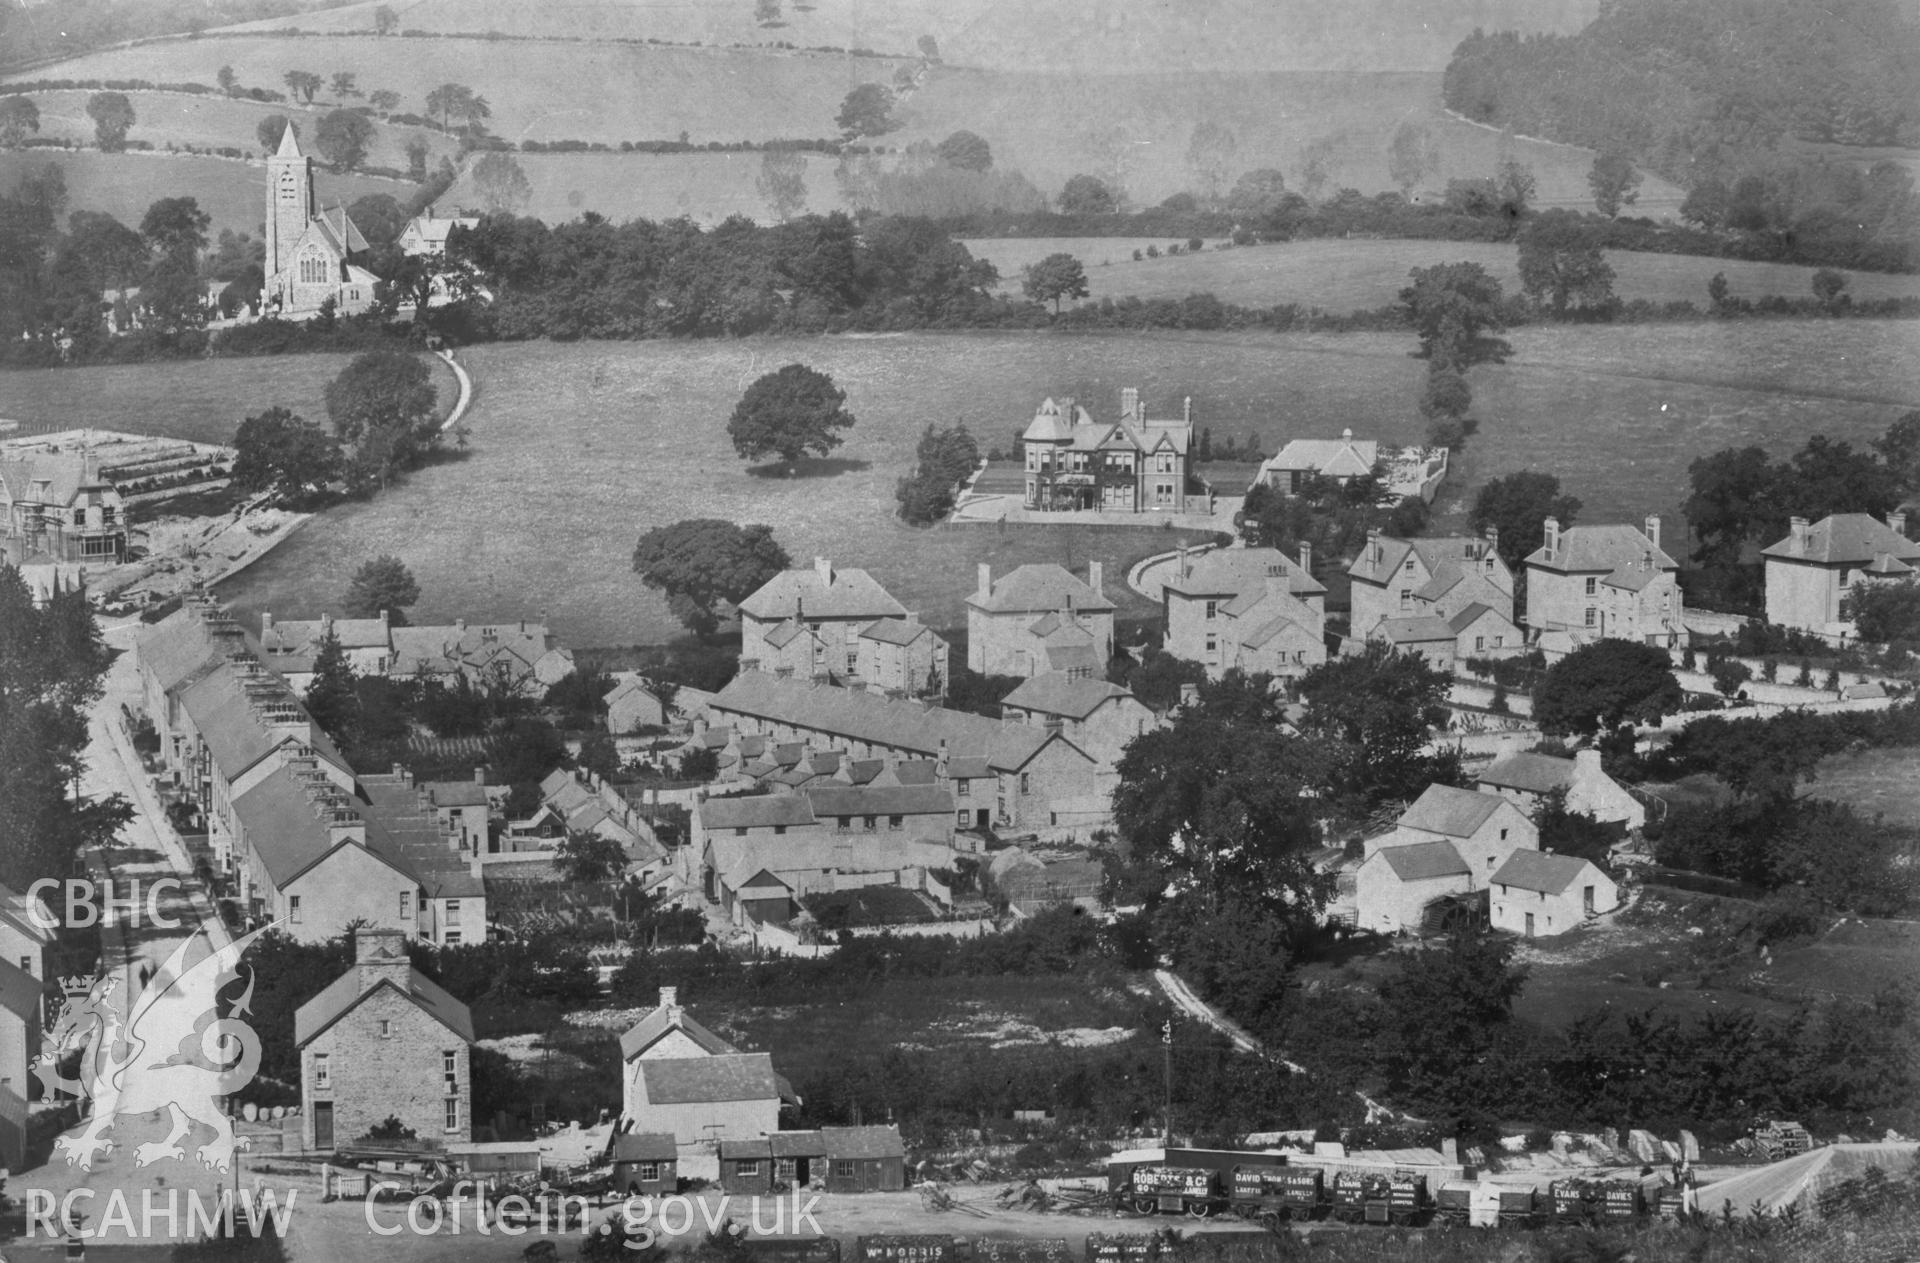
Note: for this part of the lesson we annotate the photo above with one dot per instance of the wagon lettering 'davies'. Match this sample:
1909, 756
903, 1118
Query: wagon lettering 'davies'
959, 631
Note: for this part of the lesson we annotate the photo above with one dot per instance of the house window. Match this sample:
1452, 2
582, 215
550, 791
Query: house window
747, 1166
842, 1170
960, 817
406, 904
853, 661
453, 912
1590, 619
293, 909
962, 789
646, 1171
1499, 641
896, 822
26, 964
739, 833
1213, 609
1503, 835
1026, 783
322, 1071
1409, 566
779, 829
843, 823
1406, 598
386, 1028
453, 1113
1479, 643
450, 1063
1592, 585
869, 823
451, 938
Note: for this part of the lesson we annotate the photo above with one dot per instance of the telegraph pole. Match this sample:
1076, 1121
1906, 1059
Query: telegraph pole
1166, 1113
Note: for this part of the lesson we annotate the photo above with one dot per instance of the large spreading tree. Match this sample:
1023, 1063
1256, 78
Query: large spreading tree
1518, 505
1561, 263
113, 117
385, 403
704, 564
1458, 310
383, 585
1373, 713
1600, 686
789, 413
277, 450
1053, 278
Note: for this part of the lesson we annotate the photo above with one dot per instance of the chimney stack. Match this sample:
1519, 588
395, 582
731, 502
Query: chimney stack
823, 568
1306, 559
1552, 527
1376, 555
986, 581
1653, 528
380, 955
1186, 413
1130, 404
1797, 537
1186, 562
1096, 572
479, 776
670, 1004
266, 624
1897, 523
383, 620
1492, 536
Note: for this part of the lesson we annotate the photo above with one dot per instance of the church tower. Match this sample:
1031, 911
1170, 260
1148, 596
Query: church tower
289, 202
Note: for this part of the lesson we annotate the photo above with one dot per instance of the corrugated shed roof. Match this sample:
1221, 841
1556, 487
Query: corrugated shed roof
645, 1146
1039, 586
863, 1142
1457, 813
1056, 694
699, 1080
1424, 861
1601, 548
845, 593
1536, 870
1531, 773
343, 995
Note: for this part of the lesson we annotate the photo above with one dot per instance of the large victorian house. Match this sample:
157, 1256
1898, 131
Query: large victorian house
1132, 465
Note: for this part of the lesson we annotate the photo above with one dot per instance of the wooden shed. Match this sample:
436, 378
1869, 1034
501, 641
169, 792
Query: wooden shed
799, 1159
497, 1157
746, 1166
865, 1159
645, 1164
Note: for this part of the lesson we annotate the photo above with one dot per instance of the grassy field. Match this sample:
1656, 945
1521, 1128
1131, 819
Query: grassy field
231, 192
201, 401
1878, 782
214, 122
1341, 275
538, 90
580, 447
705, 187
1053, 126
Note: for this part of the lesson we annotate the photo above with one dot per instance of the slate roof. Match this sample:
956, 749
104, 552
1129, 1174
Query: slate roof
1472, 614
797, 1144
343, 995
739, 860
456, 793
752, 1150
645, 1146
1065, 658
1442, 556
967, 769
1536, 870
1237, 570
1601, 548
759, 812
1424, 861
1261, 633
860, 771
1414, 631
1457, 813
1039, 586
894, 631
657, 1022
1054, 423
878, 800
179, 647
1530, 773
698, 1080
221, 713
844, 714
1345, 457
916, 772
434, 230
624, 687
1852, 539
850, 593
783, 635
281, 826
863, 1142
1056, 694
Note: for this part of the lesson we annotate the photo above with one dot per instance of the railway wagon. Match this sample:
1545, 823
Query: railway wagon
1221, 1162
1399, 1197
1171, 1190
1276, 1194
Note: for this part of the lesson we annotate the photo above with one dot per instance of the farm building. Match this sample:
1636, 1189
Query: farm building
1527, 779
1539, 894
1485, 828
644, 1164
746, 1166
1811, 571
864, 1159
1394, 886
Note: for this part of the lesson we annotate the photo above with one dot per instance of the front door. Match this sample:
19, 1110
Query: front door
1587, 898
323, 1124
1529, 925
981, 818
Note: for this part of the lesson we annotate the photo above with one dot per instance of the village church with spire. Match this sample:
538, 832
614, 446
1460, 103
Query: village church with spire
309, 253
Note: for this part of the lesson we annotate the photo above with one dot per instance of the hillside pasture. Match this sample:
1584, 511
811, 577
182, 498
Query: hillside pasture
1053, 126
577, 448
704, 187
231, 192
175, 118
1340, 275
538, 90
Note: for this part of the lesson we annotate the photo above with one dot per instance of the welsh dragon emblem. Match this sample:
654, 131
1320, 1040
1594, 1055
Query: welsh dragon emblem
172, 1052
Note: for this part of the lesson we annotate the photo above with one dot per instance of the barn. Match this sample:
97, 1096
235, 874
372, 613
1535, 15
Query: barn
865, 1159
746, 1166
644, 1164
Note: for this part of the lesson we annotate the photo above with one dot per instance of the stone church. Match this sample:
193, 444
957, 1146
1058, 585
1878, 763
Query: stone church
309, 252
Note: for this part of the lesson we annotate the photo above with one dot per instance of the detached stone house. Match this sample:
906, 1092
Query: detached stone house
1606, 582
1342, 460
1541, 895
384, 1041
681, 1079
1812, 570
1527, 779
1249, 609
1038, 619
1133, 465
805, 624
1436, 578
